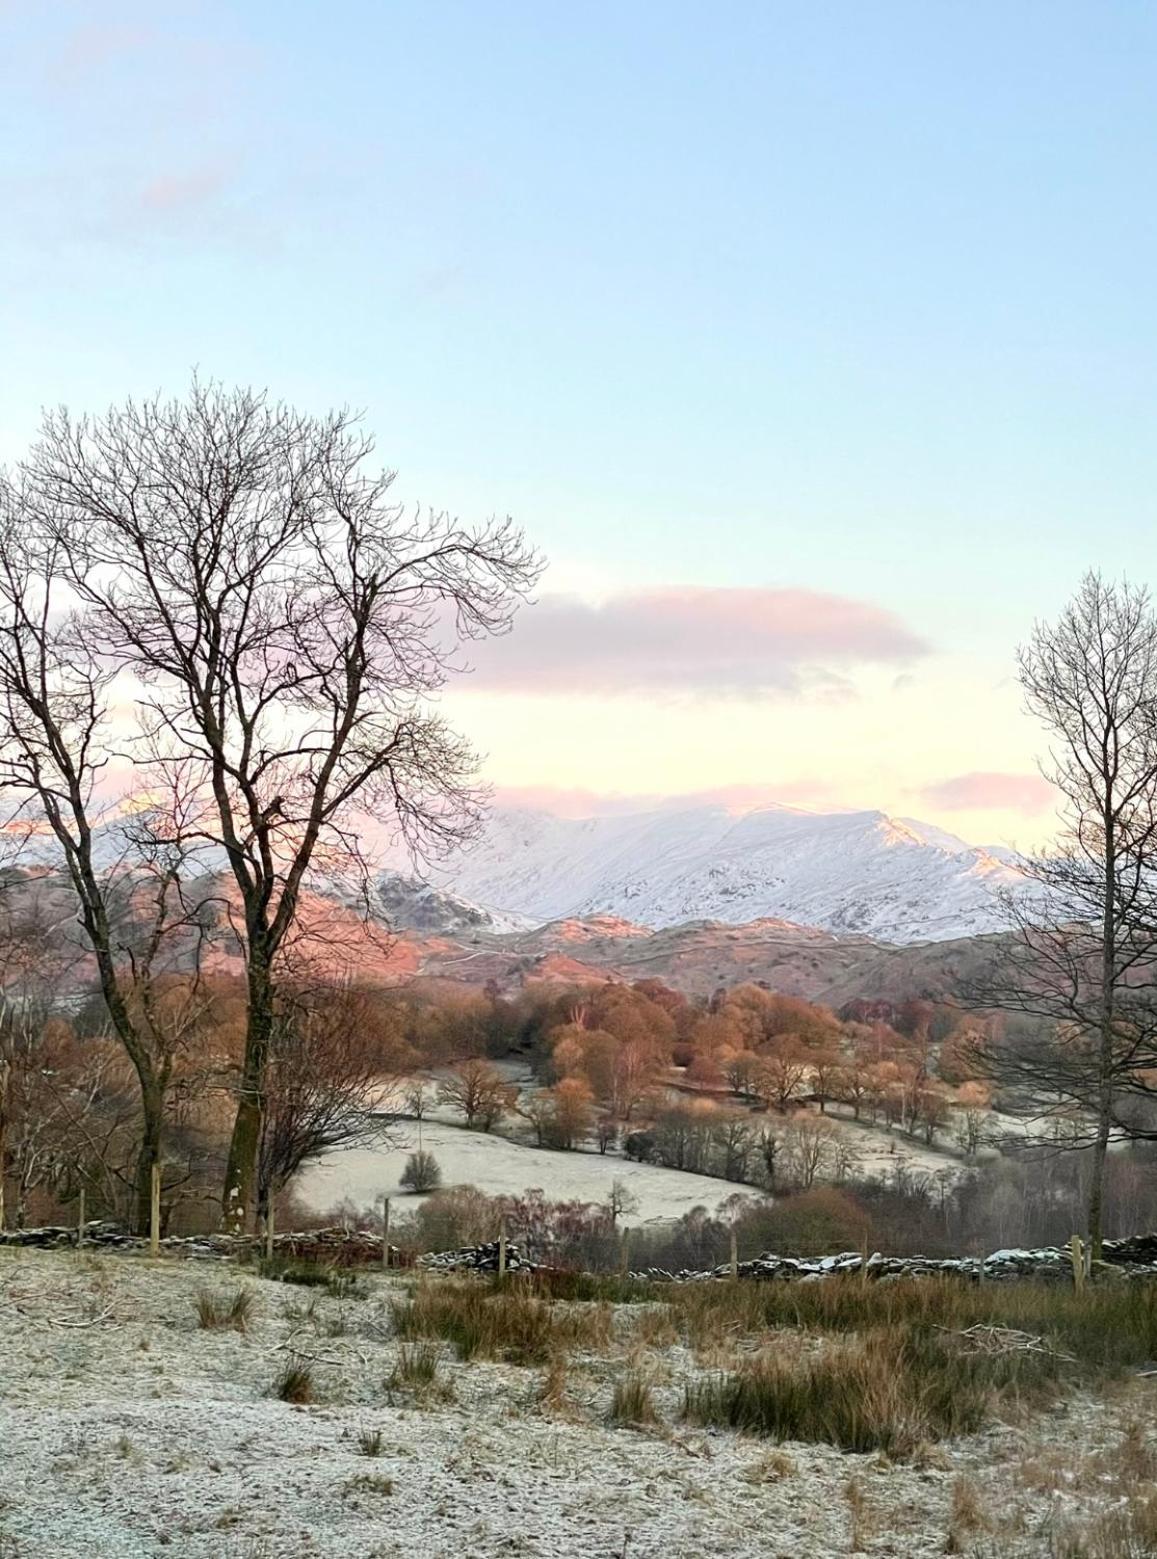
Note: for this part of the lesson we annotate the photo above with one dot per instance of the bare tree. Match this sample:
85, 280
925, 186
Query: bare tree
476, 1088
1083, 945
55, 743
288, 622
325, 1072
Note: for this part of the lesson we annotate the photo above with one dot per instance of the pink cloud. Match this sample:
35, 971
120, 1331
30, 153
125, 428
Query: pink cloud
982, 791
692, 639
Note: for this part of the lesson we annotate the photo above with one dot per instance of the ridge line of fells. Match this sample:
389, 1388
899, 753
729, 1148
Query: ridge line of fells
1132, 1257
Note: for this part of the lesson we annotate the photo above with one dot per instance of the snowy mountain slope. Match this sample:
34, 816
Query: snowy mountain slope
848, 872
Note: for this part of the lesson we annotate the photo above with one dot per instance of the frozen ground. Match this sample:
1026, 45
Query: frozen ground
503, 1162
129, 1432
500, 1167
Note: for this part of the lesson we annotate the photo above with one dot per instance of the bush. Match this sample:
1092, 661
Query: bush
421, 1173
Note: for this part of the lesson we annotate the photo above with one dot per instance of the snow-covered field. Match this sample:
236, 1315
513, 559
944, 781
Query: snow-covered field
500, 1167
128, 1433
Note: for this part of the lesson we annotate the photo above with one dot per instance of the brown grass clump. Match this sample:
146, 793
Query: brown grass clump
884, 1391
225, 1312
295, 1383
553, 1395
633, 1404
501, 1324
771, 1467
417, 1369
653, 1326
966, 1516
1103, 1328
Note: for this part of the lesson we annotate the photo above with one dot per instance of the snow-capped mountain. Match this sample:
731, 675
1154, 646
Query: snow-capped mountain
409, 904
849, 872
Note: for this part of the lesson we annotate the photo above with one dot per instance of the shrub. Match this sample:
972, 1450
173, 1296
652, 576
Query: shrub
421, 1173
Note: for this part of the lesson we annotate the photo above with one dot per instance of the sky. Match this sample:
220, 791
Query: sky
814, 343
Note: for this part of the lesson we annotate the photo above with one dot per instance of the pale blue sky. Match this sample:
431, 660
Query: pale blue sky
845, 297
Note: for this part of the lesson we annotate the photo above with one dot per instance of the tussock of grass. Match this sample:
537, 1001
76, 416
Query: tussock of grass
632, 1403
512, 1324
552, 1392
295, 1383
225, 1312
339, 1282
884, 1391
370, 1483
588, 1287
417, 1367
370, 1442
1128, 1532
1104, 1328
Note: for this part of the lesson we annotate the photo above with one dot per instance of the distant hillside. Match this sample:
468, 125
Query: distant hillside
698, 957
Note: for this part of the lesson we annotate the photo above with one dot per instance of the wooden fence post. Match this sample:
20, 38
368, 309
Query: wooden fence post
385, 1232
624, 1252
155, 1213
80, 1222
1077, 1254
502, 1249
269, 1228
734, 1258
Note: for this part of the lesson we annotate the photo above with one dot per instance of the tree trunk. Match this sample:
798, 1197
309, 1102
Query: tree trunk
1095, 1229
239, 1198
152, 1132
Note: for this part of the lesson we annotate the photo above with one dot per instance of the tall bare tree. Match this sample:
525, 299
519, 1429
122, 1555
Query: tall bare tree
1083, 944
56, 740
286, 624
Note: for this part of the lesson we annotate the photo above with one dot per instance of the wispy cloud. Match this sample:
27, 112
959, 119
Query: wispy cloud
175, 192
984, 791
95, 45
695, 640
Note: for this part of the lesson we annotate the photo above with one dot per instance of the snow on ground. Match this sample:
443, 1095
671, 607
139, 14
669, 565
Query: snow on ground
129, 1433
500, 1167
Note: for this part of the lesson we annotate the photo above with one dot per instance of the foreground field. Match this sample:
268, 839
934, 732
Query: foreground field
194, 1410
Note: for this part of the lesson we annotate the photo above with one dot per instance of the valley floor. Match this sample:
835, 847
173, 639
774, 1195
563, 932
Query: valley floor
128, 1431
501, 1167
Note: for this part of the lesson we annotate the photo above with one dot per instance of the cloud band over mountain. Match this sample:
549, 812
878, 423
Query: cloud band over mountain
737, 641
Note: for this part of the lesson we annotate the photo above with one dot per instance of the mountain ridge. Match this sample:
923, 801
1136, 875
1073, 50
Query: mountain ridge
851, 873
